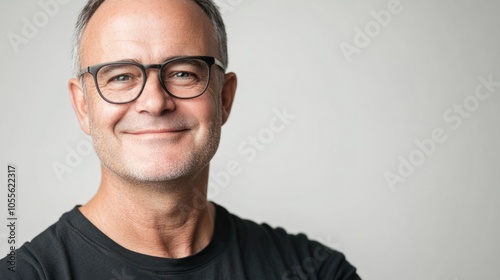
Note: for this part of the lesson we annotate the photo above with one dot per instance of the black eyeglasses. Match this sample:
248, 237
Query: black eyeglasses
182, 77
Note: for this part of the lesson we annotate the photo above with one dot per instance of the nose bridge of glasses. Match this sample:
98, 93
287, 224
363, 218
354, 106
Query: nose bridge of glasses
152, 66
147, 67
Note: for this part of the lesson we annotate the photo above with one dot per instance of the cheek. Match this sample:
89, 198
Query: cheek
212, 109
205, 108
214, 99
103, 116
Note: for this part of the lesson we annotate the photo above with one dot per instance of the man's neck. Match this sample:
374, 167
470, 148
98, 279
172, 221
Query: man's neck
155, 220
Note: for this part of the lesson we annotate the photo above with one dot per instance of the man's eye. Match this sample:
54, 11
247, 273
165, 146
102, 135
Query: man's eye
121, 78
182, 75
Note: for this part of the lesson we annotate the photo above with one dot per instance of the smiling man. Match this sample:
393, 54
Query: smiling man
152, 92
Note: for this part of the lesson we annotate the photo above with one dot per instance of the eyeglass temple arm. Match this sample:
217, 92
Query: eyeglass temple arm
220, 64
84, 71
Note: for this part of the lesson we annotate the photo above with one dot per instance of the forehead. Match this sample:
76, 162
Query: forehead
148, 31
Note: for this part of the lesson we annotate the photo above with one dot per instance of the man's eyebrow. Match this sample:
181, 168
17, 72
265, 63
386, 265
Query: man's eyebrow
133, 60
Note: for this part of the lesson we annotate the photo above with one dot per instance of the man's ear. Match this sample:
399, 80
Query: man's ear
228, 92
79, 104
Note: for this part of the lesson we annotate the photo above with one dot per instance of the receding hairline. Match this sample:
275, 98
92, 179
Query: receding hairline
217, 28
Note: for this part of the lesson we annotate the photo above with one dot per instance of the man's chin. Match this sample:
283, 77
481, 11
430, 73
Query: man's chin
150, 174
147, 176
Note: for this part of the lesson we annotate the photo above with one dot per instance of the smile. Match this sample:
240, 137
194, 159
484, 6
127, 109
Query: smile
158, 131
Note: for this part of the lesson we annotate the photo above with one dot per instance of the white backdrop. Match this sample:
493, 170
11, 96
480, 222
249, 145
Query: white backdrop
370, 126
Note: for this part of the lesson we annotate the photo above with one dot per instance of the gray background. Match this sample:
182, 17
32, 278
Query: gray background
323, 173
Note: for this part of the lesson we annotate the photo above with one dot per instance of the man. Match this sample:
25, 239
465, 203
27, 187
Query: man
152, 93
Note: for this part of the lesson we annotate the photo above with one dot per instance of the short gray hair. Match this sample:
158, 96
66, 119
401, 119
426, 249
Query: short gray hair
208, 6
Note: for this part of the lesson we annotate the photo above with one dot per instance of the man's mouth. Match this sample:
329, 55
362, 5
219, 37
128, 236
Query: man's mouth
158, 131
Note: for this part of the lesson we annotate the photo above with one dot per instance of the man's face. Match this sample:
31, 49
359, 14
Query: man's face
156, 137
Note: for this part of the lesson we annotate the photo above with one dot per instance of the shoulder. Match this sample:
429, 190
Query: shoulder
35, 259
299, 254
20, 264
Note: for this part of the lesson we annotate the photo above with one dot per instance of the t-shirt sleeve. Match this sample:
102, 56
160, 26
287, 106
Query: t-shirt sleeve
318, 261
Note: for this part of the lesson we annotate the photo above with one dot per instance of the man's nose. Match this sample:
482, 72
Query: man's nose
153, 99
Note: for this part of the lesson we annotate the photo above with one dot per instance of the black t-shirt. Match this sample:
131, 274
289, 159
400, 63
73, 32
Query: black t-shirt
73, 248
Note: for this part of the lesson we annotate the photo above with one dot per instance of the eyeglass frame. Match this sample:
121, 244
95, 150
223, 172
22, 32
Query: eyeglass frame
94, 69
